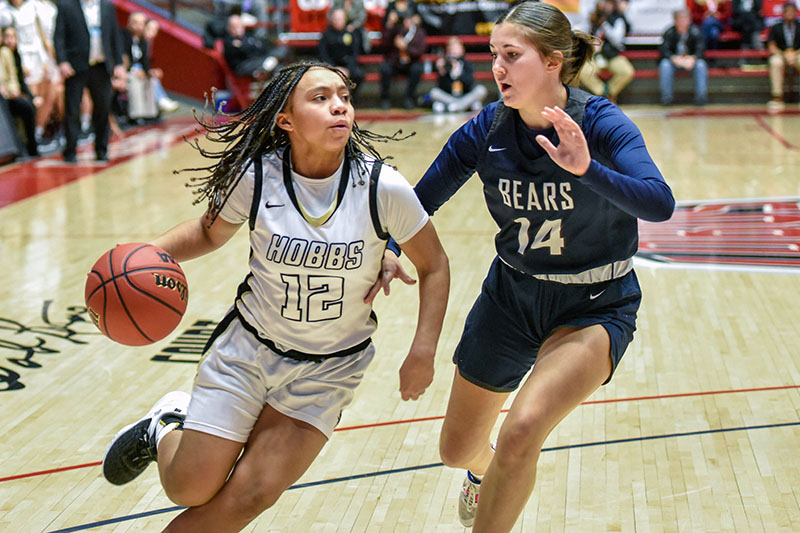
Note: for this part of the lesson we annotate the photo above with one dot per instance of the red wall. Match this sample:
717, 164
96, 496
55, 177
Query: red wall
189, 69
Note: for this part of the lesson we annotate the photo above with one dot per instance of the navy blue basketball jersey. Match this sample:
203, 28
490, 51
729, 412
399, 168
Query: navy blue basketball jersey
552, 223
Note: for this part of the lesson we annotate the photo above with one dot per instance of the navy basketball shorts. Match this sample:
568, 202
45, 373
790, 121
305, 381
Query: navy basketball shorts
515, 313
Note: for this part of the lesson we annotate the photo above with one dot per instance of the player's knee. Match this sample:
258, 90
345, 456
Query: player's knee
188, 494
521, 440
455, 452
260, 497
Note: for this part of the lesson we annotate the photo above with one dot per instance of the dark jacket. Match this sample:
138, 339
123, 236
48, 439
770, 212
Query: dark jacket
739, 8
694, 43
465, 81
128, 50
338, 48
72, 35
23, 87
416, 47
777, 36
237, 51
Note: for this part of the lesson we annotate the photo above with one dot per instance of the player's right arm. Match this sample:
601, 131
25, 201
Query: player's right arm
451, 169
196, 237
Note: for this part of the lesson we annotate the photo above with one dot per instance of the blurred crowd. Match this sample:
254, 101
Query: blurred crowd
69, 74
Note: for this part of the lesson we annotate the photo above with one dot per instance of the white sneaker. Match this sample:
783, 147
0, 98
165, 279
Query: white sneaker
468, 500
775, 105
135, 446
269, 64
439, 107
166, 105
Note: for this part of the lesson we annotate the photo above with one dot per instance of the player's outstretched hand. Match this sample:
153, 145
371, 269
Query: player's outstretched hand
572, 153
416, 374
390, 269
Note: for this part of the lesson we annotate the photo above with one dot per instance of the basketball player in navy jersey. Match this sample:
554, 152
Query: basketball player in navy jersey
565, 176
285, 361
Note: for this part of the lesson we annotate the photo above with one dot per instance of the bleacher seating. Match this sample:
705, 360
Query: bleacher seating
727, 74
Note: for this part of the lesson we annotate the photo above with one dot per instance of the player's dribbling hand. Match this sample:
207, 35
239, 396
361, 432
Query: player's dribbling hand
416, 375
572, 153
390, 269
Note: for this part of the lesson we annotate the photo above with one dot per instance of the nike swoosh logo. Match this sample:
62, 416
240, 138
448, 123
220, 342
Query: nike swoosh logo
594, 296
494, 149
268, 205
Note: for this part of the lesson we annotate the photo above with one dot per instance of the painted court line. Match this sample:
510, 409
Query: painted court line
436, 465
441, 417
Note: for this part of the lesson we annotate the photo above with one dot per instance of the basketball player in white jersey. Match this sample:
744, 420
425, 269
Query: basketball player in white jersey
286, 359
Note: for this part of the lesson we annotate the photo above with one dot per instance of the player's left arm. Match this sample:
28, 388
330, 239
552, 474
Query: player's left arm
196, 237
425, 251
635, 184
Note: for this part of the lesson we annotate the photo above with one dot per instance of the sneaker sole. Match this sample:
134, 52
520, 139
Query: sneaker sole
122, 473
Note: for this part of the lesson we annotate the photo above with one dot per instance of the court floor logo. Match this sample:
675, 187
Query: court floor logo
755, 234
26, 347
188, 346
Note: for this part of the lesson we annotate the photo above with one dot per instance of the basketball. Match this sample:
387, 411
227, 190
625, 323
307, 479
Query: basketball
136, 294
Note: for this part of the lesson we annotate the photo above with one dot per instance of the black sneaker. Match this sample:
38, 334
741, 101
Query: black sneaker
134, 447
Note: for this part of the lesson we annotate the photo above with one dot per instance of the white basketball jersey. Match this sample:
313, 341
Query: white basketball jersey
308, 277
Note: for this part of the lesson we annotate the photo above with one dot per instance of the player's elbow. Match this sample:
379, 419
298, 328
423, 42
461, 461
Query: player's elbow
663, 210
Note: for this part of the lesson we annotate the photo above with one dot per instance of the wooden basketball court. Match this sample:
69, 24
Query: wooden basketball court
698, 431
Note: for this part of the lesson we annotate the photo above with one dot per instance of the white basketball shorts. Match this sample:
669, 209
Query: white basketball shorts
240, 375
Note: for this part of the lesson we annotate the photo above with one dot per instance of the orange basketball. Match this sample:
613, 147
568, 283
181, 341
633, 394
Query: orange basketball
136, 294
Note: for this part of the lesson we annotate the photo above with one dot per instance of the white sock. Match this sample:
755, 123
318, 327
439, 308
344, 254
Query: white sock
162, 429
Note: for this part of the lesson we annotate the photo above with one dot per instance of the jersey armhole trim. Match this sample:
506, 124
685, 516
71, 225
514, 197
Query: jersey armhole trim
373, 200
257, 186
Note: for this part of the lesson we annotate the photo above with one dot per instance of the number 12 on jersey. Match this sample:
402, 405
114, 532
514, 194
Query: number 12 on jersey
548, 236
311, 298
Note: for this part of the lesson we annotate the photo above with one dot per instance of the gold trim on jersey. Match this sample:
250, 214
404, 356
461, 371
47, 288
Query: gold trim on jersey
323, 218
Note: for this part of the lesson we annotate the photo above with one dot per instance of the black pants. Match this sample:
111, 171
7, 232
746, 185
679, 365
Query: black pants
390, 70
10, 146
98, 81
23, 109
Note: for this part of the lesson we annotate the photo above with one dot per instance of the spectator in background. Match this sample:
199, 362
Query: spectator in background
783, 44
20, 105
404, 40
151, 29
356, 16
248, 55
33, 20
747, 20
141, 96
682, 48
397, 11
712, 17
215, 29
340, 47
610, 25
165, 103
456, 89
88, 50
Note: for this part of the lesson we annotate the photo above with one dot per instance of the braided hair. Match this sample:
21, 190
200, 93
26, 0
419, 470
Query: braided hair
253, 131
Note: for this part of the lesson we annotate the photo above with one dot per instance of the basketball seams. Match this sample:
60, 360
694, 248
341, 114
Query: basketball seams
126, 274
149, 295
119, 294
123, 313
99, 286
